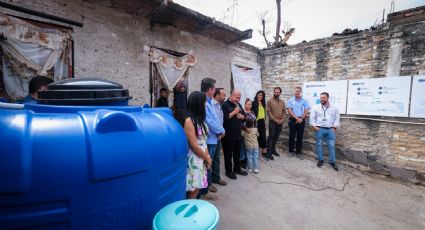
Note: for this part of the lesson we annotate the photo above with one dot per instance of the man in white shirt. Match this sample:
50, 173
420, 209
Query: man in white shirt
324, 118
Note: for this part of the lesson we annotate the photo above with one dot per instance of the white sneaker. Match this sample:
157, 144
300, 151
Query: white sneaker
250, 170
256, 171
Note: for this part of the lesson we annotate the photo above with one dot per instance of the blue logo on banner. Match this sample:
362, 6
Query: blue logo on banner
421, 80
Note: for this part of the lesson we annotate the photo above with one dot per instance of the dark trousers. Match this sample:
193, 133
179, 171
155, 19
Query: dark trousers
274, 132
295, 130
231, 150
261, 126
216, 163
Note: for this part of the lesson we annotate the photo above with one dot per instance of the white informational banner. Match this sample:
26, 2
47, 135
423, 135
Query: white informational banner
417, 103
248, 81
337, 93
379, 96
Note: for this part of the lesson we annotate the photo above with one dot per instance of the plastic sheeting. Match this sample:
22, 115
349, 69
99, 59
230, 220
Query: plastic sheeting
16, 87
246, 81
29, 51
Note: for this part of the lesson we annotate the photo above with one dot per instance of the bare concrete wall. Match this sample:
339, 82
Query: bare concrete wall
392, 51
110, 44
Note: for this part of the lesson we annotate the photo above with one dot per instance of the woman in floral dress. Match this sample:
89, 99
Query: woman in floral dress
196, 132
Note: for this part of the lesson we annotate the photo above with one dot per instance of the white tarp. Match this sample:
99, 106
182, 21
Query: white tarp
248, 81
16, 87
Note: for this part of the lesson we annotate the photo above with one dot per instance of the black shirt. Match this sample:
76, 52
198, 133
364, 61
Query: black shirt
233, 126
162, 102
180, 100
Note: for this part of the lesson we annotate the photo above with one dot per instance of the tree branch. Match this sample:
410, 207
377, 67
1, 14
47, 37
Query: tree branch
262, 17
277, 37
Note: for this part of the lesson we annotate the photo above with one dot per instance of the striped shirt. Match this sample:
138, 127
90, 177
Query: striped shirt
324, 116
250, 117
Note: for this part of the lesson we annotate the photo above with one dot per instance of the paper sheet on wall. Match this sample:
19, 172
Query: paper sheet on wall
337, 93
417, 104
379, 96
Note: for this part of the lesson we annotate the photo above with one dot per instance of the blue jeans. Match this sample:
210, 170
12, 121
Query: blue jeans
329, 135
211, 151
252, 155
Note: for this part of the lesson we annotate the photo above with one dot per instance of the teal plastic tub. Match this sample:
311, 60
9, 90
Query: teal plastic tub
187, 215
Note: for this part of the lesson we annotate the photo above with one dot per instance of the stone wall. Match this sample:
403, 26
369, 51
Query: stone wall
395, 148
110, 44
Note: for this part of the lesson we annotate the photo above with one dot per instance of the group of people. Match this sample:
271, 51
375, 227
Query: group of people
179, 97
324, 120
211, 122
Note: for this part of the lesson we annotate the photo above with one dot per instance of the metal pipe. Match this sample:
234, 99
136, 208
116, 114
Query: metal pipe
39, 14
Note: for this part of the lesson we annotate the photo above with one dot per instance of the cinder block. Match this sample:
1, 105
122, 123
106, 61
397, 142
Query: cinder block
371, 157
378, 167
402, 173
340, 153
349, 155
420, 177
357, 157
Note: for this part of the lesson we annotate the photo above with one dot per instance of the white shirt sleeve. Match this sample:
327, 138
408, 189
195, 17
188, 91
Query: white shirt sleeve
336, 118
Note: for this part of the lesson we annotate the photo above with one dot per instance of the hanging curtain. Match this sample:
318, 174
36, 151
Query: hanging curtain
29, 51
172, 69
248, 81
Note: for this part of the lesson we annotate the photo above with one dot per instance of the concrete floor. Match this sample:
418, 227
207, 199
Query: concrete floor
289, 193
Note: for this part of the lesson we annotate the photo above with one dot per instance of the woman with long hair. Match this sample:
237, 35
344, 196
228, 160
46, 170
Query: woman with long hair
259, 108
196, 132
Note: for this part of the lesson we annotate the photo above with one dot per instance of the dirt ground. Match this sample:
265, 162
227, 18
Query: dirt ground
290, 193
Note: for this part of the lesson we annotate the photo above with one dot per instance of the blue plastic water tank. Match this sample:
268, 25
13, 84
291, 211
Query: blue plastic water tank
88, 166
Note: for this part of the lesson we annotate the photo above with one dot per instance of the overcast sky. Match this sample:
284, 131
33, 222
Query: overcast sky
311, 19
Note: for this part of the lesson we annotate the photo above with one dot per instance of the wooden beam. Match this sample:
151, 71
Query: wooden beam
40, 14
